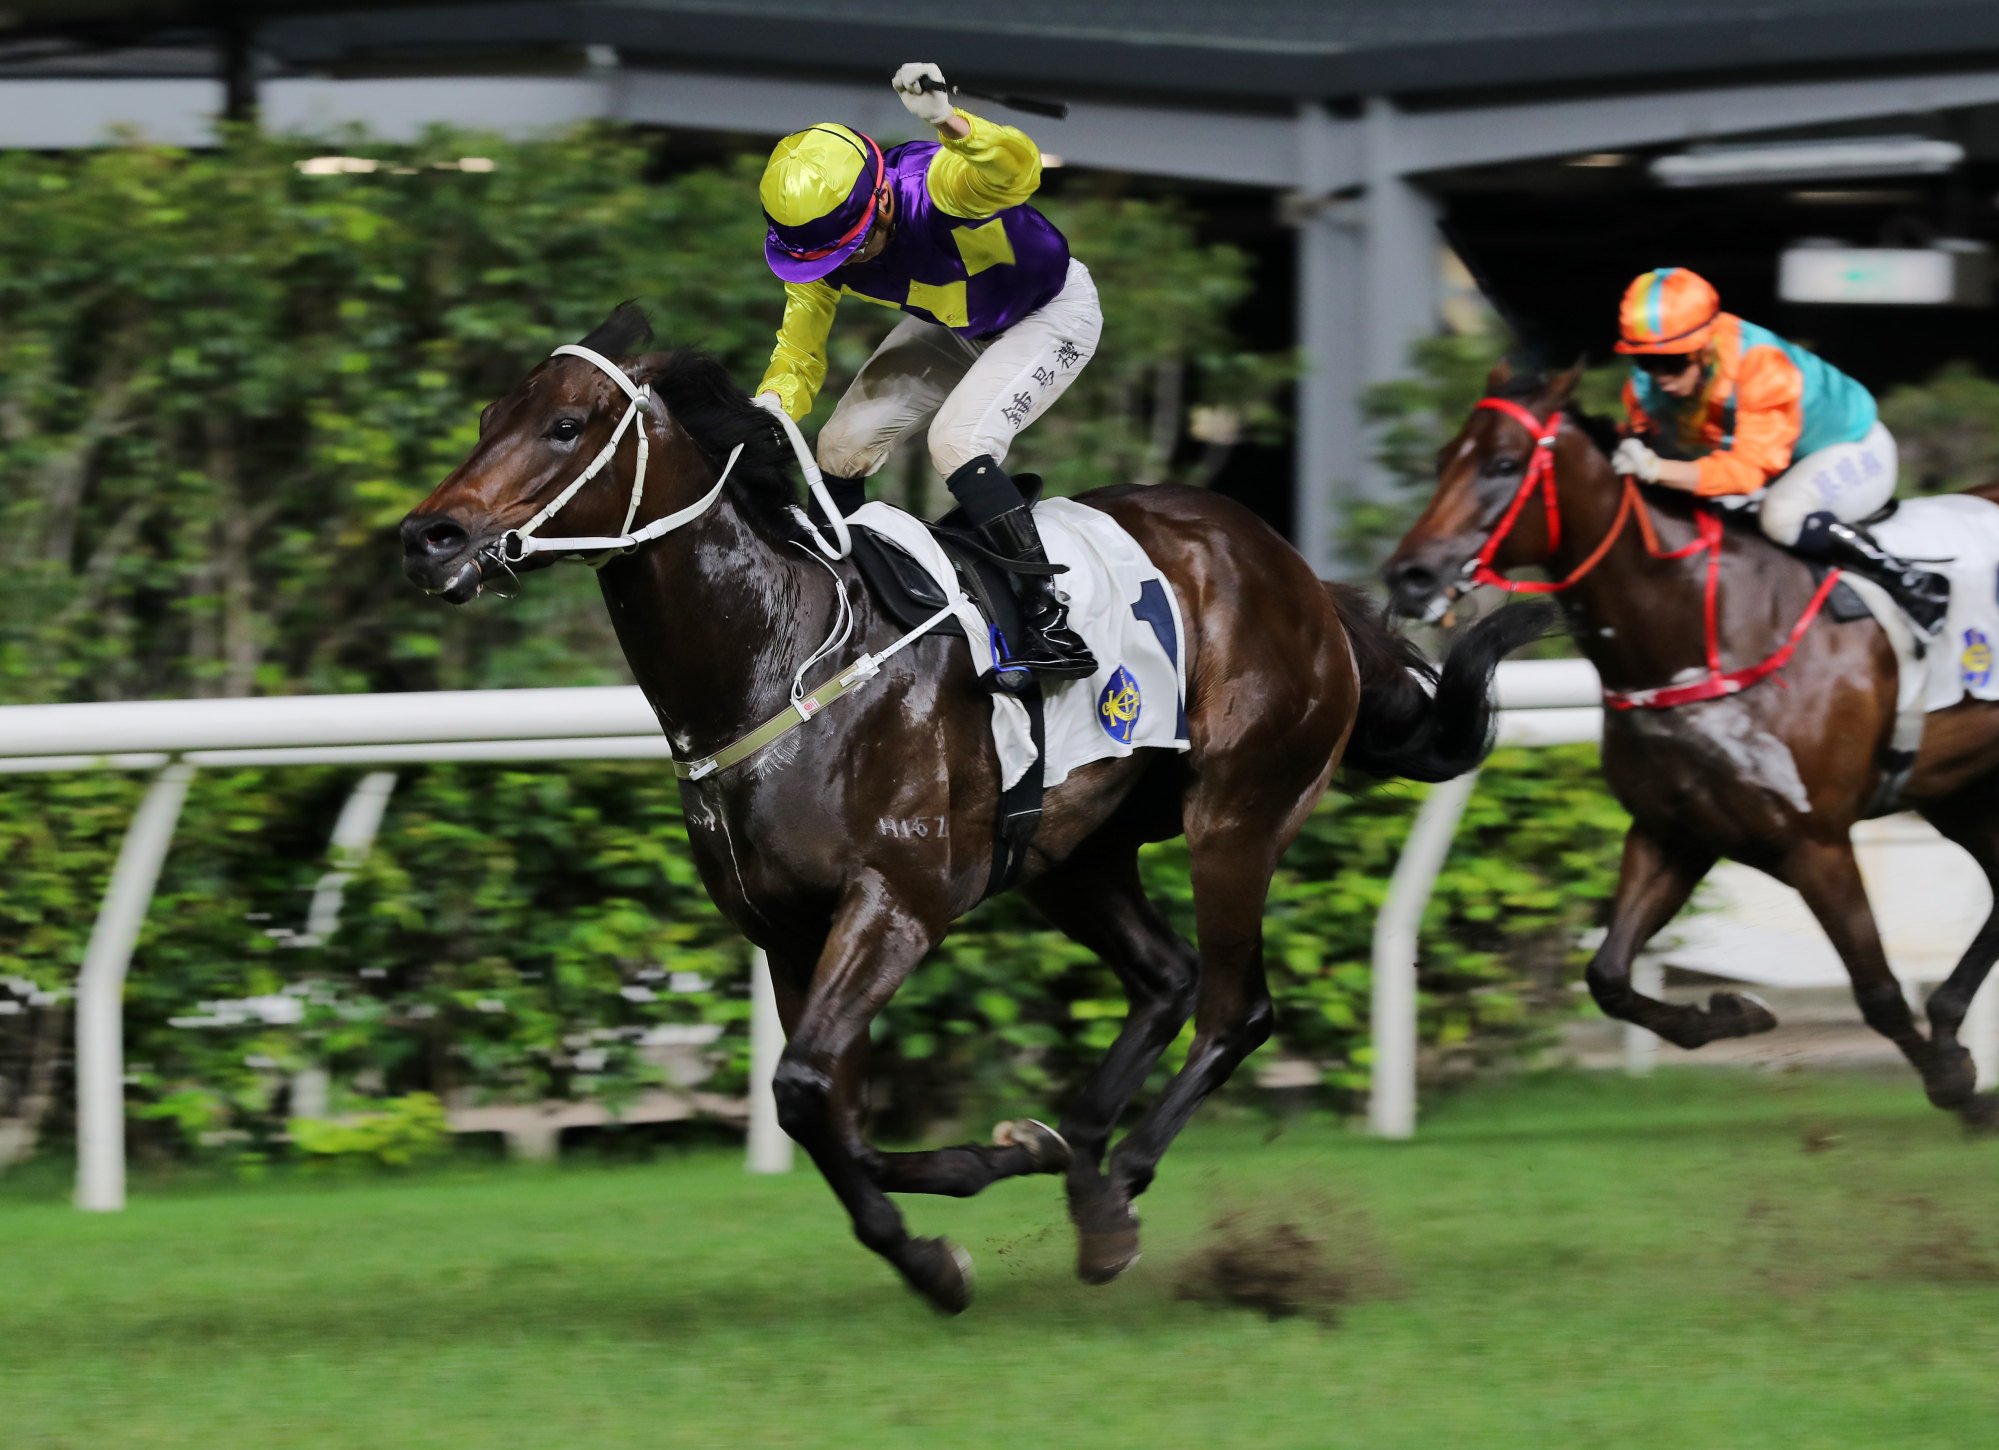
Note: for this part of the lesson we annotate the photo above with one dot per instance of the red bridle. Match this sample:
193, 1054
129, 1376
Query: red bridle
1541, 476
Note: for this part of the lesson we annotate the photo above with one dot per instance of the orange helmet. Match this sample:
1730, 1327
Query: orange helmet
1668, 310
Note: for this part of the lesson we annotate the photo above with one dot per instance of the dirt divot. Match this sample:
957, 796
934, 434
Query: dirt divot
1303, 1259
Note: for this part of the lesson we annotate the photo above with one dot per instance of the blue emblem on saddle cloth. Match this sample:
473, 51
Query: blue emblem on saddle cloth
1976, 661
1118, 705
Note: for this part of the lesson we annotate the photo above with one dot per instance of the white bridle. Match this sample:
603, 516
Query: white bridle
517, 544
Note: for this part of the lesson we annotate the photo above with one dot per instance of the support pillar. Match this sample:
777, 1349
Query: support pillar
1329, 456
1401, 259
1368, 289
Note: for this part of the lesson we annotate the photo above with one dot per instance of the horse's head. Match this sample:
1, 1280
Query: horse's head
567, 416
1479, 474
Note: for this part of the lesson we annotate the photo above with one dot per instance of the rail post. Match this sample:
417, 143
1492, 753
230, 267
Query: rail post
769, 1148
1391, 1106
100, 993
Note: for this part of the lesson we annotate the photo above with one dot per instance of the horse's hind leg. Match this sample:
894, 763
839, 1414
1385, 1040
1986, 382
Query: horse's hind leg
1233, 849
1098, 899
1972, 821
1653, 883
1828, 878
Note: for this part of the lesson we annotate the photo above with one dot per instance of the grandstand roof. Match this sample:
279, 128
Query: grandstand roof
1272, 50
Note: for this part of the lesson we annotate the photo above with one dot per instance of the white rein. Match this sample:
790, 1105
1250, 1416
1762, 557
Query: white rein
517, 544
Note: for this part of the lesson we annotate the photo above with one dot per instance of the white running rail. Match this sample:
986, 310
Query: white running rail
1541, 703
175, 738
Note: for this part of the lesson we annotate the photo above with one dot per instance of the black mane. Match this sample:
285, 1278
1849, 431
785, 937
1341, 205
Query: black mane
716, 414
702, 398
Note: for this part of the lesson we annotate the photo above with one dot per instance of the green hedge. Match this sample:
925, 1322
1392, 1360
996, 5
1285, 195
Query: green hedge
515, 931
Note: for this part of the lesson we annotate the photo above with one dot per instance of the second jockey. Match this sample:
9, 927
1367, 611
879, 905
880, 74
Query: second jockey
1000, 318
1756, 416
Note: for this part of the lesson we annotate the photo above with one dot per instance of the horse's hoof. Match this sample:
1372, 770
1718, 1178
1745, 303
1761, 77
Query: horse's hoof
1046, 1149
941, 1272
1106, 1250
1952, 1081
1100, 1258
1739, 1014
1980, 1115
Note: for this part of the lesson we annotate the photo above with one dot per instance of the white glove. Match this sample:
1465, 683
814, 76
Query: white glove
931, 107
1635, 458
769, 401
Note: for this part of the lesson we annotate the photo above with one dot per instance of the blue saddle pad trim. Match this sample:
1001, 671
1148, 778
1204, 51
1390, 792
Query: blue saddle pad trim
1156, 610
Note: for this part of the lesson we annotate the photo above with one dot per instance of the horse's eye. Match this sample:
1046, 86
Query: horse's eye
565, 429
1504, 466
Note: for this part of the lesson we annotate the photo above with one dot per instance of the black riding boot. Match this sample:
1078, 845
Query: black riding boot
994, 505
848, 495
1924, 594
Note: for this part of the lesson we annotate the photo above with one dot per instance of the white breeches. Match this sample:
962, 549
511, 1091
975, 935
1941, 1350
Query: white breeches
1848, 481
977, 395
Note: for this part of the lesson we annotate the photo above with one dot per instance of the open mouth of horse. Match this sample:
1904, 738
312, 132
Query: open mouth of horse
443, 558
463, 583
1421, 590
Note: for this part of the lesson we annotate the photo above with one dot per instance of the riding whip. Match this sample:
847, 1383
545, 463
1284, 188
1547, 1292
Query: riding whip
1057, 110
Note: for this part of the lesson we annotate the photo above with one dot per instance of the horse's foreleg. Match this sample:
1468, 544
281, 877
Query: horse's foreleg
875, 943
1828, 878
1099, 901
1653, 883
1096, 897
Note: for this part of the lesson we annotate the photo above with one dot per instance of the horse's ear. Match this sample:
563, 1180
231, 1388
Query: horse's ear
1500, 376
1562, 386
624, 331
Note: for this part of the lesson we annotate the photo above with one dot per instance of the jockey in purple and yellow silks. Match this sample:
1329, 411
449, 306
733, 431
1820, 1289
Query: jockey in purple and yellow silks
1000, 317
1755, 415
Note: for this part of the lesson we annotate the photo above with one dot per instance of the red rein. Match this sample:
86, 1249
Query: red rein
1541, 476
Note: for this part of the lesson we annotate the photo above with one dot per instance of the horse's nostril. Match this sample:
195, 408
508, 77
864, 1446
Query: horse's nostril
440, 538
1412, 579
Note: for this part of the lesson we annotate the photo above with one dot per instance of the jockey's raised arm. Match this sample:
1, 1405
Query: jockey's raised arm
986, 170
1000, 318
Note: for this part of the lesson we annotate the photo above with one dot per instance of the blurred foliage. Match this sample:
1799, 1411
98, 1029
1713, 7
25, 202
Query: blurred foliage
223, 382
1946, 430
406, 1131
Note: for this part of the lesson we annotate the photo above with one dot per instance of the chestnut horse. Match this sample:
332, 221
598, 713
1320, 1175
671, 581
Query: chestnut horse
1287, 676
1775, 775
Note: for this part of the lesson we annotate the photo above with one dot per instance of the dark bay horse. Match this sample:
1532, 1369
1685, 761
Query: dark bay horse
1775, 776
1288, 677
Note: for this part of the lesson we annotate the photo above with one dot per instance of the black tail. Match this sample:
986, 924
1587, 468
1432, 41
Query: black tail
1416, 722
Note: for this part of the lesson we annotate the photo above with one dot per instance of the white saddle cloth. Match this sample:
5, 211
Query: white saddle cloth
1958, 536
1125, 611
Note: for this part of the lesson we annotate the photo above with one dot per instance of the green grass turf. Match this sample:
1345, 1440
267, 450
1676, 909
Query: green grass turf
1701, 1259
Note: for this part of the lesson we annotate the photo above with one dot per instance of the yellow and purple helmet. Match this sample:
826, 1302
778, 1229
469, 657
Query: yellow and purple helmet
820, 191
1668, 310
